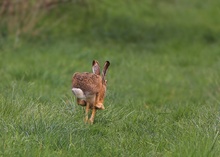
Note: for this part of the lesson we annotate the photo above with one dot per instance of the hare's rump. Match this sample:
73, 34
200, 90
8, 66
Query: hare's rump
87, 82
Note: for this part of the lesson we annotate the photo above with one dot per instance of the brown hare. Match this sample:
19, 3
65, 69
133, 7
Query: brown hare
90, 88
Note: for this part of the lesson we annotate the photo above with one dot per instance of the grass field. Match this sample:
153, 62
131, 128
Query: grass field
163, 85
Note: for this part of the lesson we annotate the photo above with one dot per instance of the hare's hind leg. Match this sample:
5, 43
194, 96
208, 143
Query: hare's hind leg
87, 112
91, 120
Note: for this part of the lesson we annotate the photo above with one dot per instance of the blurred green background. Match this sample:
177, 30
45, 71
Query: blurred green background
137, 22
163, 82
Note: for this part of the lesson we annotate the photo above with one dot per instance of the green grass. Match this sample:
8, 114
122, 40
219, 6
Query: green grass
163, 85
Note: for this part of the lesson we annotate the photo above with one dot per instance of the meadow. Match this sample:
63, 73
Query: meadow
163, 82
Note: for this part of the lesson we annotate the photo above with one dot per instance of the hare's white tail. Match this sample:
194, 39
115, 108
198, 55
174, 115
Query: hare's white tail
78, 93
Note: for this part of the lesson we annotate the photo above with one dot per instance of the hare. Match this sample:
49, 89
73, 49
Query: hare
90, 88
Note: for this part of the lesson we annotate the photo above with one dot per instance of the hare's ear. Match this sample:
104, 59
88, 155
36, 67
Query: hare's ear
95, 67
107, 63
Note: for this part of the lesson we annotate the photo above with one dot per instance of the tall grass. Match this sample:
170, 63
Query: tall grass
25, 19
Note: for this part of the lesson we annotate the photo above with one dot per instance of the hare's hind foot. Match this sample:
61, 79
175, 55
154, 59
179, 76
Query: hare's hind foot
81, 102
90, 121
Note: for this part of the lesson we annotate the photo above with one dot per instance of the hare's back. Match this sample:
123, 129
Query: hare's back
87, 82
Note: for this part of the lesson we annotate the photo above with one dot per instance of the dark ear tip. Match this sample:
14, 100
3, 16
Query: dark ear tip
95, 62
108, 62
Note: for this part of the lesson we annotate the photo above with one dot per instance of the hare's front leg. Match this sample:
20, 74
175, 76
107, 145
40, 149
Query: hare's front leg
91, 120
87, 112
